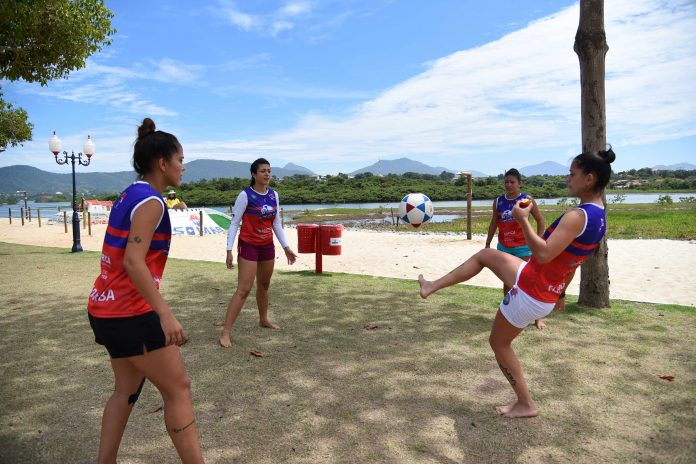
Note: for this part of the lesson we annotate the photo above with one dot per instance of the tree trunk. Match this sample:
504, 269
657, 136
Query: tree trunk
591, 48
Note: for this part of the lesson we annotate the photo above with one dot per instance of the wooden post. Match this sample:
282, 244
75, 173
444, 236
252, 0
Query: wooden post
84, 217
317, 254
9, 214
38, 215
200, 221
29, 213
65, 221
282, 219
469, 195
89, 223
21, 212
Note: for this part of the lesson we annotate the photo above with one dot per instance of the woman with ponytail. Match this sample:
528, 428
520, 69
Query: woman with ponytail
536, 286
126, 311
258, 205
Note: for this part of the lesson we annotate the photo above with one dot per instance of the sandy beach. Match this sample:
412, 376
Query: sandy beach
658, 271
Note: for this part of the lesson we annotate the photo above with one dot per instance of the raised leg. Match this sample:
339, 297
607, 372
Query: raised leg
502, 264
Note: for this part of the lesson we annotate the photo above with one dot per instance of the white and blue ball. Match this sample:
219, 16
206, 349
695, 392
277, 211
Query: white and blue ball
416, 209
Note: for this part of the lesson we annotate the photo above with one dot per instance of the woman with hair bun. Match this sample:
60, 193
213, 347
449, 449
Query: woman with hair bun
126, 311
536, 286
258, 205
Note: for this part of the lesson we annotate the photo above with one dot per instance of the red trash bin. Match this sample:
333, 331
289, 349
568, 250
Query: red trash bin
307, 238
331, 239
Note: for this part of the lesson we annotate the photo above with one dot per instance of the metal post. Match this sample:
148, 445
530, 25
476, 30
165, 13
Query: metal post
317, 262
77, 247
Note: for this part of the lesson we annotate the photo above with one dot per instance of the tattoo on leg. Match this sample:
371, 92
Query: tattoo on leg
136, 239
507, 374
175, 430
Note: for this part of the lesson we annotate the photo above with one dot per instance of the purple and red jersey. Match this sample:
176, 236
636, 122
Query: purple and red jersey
509, 231
258, 217
546, 282
113, 294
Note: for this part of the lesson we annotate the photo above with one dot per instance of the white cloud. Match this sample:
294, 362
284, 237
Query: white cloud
520, 92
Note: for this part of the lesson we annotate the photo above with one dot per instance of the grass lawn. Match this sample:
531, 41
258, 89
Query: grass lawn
419, 385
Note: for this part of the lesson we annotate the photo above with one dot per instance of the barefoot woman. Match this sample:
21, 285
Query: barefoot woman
538, 284
257, 209
126, 311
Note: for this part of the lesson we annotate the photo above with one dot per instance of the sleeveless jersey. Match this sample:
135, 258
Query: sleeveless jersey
113, 294
545, 282
509, 231
257, 220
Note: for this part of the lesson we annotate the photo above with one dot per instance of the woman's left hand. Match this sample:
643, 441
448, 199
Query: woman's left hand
290, 255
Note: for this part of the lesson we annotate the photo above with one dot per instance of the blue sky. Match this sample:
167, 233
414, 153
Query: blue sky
335, 85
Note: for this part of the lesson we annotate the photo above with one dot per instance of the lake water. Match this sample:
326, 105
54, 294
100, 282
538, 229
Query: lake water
631, 198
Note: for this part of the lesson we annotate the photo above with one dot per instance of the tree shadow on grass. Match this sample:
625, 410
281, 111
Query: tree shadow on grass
362, 370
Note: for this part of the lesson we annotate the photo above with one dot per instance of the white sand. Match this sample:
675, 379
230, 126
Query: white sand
658, 271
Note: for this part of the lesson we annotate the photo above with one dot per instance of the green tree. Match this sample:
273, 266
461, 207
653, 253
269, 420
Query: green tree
41, 40
14, 126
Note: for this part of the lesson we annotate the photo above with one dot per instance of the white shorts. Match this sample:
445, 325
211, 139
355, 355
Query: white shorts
521, 309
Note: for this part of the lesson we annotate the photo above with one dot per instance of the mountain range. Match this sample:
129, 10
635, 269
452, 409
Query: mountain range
33, 180
403, 165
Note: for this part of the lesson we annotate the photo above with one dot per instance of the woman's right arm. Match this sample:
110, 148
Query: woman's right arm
143, 224
571, 225
493, 226
238, 209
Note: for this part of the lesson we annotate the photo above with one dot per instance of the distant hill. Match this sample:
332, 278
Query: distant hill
404, 165
675, 167
547, 167
33, 180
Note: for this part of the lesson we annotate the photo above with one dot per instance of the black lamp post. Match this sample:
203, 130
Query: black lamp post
55, 145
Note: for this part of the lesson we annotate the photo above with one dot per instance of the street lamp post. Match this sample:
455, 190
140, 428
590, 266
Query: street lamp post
55, 145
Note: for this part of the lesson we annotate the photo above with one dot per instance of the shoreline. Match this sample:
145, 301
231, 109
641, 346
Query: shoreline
654, 271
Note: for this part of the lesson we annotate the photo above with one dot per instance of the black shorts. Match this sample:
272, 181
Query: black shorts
124, 337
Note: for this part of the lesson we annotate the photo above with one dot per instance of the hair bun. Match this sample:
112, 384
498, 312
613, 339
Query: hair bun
607, 155
146, 128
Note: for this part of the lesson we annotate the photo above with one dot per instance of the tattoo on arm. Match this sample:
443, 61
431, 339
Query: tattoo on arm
135, 239
175, 430
507, 374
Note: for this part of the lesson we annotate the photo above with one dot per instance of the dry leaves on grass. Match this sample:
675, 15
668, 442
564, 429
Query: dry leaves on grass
668, 378
256, 354
370, 326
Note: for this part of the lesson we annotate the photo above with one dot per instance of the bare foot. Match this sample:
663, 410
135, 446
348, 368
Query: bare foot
517, 410
269, 325
425, 286
539, 324
225, 341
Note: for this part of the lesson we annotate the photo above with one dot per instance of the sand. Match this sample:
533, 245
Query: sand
657, 271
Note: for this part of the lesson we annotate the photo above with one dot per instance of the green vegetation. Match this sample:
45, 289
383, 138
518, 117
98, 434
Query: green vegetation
418, 385
367, 188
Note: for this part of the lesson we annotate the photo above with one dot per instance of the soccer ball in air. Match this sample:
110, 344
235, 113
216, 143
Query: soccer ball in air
415, 209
